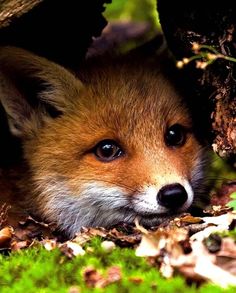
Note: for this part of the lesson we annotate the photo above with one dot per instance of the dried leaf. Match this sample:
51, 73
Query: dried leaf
71, 249
118, 237
17, 245
217, 210
6, 235
167, 239
113, 274
222, 197
49, 244
228, 248
186, 219
217, 224
214, 273
94, 279
30, 229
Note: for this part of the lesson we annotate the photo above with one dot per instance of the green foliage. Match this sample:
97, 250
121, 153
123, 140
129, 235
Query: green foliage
220, 172
232, 203
41, 271
228, 233
134, 10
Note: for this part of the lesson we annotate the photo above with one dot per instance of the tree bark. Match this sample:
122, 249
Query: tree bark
210, 23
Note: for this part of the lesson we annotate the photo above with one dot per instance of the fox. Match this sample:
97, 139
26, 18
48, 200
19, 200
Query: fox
109, 143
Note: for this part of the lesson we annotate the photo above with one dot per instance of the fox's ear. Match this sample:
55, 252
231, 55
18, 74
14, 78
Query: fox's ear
33, 89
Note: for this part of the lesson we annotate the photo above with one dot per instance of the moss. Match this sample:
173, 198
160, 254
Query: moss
39, 270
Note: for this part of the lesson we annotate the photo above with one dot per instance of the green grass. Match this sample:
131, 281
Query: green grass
38, 270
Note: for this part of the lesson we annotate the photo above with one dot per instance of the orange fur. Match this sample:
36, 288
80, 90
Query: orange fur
129, 103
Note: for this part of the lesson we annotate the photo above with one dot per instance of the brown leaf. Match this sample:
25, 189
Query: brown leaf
6, 235
217, 210
124, 240
168, 239
228, 248
216, 224
49, 244
30, 229
94, 279
20, 244
186, 219
113, 274
227, 263
71, 249
201, 265
222, 197
118, 237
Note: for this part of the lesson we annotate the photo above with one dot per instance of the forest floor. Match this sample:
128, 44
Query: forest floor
194, 254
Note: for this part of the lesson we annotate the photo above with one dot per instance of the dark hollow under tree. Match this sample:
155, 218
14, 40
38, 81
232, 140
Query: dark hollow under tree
60, 30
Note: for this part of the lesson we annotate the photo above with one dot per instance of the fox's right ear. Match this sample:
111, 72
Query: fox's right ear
33, 89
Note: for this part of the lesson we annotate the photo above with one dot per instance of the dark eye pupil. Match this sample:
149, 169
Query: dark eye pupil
175, 135
107, 150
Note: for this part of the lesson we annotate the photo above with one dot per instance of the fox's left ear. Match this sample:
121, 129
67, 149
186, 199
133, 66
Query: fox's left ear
32, 89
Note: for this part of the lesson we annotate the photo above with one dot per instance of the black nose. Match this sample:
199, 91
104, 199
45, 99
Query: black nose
172, 196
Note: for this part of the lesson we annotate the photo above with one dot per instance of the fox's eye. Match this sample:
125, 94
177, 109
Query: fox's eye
175, 135
107, 150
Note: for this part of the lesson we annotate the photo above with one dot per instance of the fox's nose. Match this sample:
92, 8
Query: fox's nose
172, 196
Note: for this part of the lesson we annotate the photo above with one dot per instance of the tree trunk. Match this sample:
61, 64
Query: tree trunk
210, 23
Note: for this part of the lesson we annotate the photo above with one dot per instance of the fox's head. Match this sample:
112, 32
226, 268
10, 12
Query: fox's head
115, 144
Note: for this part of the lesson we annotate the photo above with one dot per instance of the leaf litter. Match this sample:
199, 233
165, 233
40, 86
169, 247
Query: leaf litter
195, 247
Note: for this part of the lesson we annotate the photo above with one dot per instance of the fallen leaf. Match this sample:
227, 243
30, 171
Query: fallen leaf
17, 245
49, 244
154, 242
113, 274
30, 229
217, 210
200, 265
228, 248
222, 197
94, 279
114, 235
216, 224
186, 219
6, 235
71, 249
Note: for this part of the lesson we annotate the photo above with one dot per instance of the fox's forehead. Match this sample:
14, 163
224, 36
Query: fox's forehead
131, 101
127, 107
